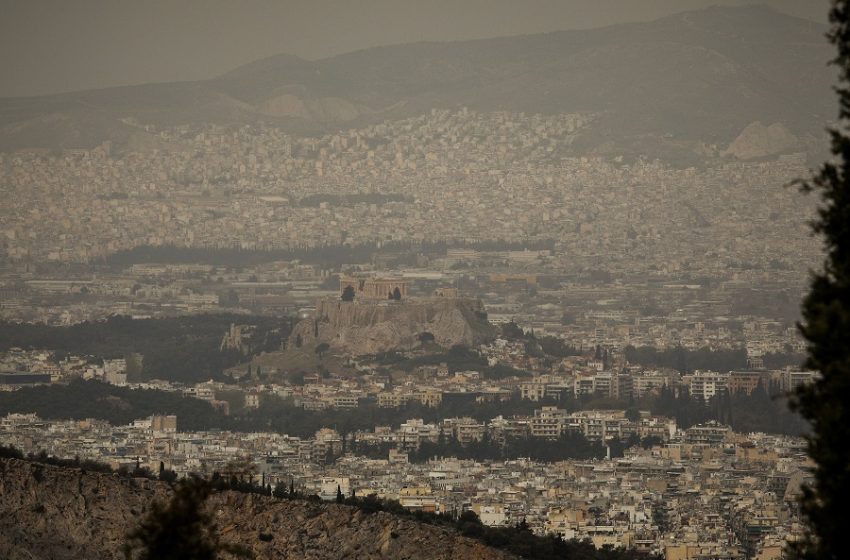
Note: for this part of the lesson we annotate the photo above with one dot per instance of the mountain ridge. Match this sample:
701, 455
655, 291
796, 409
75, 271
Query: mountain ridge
689, 78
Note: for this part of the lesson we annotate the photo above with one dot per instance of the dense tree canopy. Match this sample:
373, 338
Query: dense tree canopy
182, 529
686, 361
826, 327
326, 255
183, 349
761, 411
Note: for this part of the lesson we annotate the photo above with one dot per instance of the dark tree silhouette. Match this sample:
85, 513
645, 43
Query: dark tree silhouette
348, 294
396, 294
321, 349
826, 327
426, 337
166, 475
179, 530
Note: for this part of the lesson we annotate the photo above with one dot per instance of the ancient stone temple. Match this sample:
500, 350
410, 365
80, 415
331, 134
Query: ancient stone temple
374, 288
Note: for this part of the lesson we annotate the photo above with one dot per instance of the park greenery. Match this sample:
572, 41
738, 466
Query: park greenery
569, 446
761, 411
328, 256
457, 359
185, 349
687, 361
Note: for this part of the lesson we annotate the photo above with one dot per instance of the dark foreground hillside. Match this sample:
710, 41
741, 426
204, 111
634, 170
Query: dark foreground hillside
49, 512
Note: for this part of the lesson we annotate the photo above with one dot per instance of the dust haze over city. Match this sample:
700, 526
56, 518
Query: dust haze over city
396, 279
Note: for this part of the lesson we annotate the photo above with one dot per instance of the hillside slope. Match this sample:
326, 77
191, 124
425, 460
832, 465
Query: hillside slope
49, 512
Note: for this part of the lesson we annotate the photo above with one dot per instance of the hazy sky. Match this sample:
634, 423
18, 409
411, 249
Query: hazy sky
63, 45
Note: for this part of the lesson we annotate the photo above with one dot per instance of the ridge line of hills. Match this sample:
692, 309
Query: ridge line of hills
62, 513
51, 510
670, 84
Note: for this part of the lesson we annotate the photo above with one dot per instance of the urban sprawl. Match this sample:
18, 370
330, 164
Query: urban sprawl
585, 265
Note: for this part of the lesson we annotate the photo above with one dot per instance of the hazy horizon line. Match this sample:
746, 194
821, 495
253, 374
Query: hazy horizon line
314, 59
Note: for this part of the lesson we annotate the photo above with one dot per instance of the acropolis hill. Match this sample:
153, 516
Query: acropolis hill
381, 317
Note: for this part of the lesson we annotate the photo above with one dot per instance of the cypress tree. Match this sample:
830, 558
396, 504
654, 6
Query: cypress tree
826, 328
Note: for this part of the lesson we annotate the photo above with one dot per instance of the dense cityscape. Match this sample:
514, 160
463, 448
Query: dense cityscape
540, 332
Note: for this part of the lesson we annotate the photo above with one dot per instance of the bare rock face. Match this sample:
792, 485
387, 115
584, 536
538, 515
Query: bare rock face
57, 513
51, 512
360, 328
757, 141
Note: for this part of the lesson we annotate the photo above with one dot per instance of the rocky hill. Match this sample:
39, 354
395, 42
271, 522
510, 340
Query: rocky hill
758, 140
695, 78
49, 512
360, 328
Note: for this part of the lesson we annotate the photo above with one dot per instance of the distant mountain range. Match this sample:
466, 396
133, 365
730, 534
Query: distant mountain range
679, 82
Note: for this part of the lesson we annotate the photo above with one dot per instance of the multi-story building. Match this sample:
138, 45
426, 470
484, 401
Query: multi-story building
548, 422
706, 384
743, 381
793, 379
708, 433
533, 390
